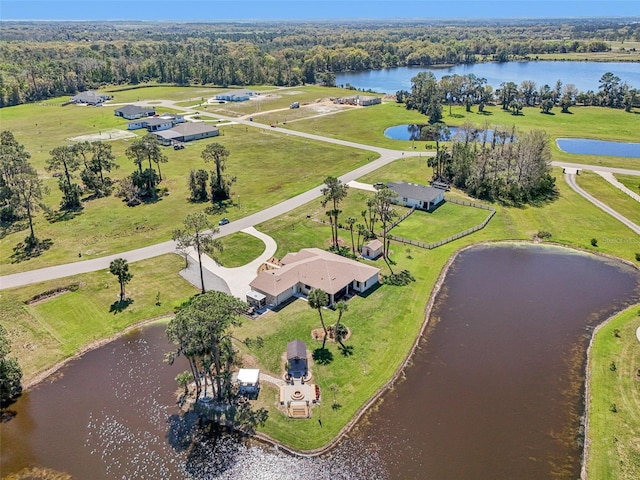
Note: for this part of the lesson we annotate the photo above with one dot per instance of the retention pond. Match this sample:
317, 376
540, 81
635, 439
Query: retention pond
493, 391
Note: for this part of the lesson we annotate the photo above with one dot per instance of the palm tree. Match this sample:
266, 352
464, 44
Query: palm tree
342, 307
318, 299
218, 154
351, 222
334, 191
120, 268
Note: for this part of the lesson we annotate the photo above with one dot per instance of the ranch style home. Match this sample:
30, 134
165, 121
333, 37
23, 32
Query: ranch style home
90, 97
132, 112
186, 132
235, 96
156, 123
299, 273
414, 195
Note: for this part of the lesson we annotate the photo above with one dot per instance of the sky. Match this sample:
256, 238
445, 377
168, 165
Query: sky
251, 10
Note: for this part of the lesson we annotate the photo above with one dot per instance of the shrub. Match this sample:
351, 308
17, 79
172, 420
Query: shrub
594, 242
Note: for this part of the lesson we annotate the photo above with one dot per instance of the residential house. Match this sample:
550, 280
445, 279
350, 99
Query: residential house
186, 132
415, 195
235, 95
90, 97
132, 112
311, 268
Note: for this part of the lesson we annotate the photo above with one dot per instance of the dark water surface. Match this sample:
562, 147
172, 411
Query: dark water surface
494, 392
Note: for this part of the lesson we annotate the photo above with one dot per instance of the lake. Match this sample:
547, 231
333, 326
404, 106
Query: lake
584, 75
494, 391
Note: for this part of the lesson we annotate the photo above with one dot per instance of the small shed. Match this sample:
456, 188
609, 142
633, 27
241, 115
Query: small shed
372, 249
297, 358
248, 380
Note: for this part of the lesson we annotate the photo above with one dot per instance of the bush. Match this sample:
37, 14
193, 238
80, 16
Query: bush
594, 242
638, 257
543, 235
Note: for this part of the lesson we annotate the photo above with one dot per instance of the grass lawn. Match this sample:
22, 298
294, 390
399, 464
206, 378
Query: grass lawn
48, 331
447, 220
269, 168
367, 125
614, 436
239, 249
393, 315
632, 182
611, 196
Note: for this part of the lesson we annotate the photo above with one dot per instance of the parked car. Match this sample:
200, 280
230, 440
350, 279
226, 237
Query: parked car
223, 221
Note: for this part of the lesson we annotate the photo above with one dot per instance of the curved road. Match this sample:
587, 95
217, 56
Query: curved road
571, 180
386, 156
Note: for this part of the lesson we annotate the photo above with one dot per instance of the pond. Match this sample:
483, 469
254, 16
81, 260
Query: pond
586, 146
413, 132
494, 391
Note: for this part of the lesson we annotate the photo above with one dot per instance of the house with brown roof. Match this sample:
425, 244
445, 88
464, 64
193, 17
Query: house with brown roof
311, 268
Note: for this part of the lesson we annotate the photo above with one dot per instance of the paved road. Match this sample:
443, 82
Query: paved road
386, 156
571, 180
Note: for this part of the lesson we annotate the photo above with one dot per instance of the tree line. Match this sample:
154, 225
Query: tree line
40, 61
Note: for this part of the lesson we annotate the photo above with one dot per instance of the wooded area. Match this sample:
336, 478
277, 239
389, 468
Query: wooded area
41, 60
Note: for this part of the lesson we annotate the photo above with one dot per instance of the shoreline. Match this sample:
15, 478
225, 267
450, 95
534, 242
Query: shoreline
266, 439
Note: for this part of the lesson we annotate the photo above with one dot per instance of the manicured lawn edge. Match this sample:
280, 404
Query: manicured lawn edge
599, 390
40, 377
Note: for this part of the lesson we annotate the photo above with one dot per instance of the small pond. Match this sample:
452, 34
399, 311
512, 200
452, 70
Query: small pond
584, 146
412, 131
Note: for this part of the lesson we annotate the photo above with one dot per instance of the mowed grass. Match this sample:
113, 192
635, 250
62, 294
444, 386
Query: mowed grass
238, 249
367, 125
614, 436
610, 195
48, 331
632, 182
447, 220
392, 315
269, 168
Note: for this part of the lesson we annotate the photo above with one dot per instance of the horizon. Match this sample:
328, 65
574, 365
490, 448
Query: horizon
252, 11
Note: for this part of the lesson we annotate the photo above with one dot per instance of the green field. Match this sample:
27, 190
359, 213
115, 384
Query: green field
46, 332
367, 125
271, 167
611, 196
447, 220
614, 401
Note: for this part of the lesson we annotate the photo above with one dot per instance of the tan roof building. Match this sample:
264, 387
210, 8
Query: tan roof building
314, 268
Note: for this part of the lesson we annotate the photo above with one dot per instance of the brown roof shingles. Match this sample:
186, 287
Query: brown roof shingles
316, 268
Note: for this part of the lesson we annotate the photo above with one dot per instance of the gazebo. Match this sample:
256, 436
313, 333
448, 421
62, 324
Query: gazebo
297, 359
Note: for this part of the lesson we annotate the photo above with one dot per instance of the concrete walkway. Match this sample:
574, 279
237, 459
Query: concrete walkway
230, 280
609, 177
361, 186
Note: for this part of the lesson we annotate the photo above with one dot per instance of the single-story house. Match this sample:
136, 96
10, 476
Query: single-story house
248, 380
361, 100
163, 122
90, 97
415, 195
372, 249
235, 95
186, 132
131, 112
311, 268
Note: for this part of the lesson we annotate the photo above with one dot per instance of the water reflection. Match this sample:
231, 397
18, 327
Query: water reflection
493, 392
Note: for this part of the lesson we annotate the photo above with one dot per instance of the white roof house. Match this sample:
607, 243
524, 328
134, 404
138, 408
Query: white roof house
248, 380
